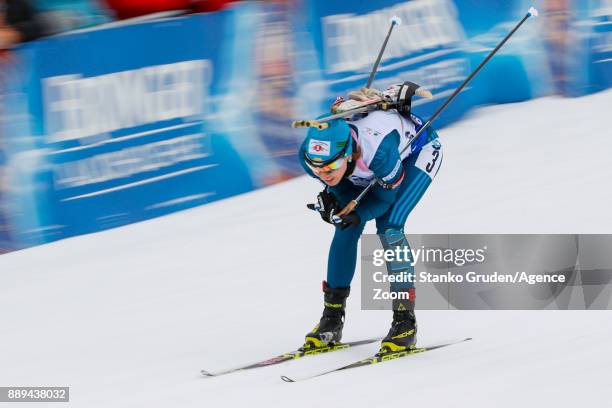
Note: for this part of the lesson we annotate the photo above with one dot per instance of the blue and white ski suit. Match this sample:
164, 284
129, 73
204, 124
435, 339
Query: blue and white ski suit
403, 180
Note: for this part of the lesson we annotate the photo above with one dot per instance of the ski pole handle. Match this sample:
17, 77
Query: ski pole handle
352, 204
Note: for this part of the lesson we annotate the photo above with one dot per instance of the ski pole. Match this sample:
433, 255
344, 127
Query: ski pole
531, 12
395, 20
320, 123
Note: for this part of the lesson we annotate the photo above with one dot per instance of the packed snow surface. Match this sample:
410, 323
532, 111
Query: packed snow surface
129, 316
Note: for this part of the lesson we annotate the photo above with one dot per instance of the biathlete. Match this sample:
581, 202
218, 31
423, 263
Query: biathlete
346, 156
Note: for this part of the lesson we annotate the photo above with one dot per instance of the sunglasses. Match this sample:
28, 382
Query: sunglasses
327, 168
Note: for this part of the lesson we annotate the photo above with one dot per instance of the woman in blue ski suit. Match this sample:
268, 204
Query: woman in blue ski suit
346, 156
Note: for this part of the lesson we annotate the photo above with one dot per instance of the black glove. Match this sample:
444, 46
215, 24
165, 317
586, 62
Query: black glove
348, 220
326, 205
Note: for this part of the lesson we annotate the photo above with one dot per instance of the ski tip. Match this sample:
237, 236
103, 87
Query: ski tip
206, 373
532, 12
286, 379
395, 20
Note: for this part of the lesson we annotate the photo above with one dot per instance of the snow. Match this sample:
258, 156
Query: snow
129, 316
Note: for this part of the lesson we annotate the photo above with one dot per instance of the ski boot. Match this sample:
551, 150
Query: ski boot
402, 335
329, 330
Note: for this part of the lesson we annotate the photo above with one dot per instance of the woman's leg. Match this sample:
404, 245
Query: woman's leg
420, 171
342, 258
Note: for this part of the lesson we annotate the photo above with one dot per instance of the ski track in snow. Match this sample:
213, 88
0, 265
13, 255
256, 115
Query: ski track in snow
129, 316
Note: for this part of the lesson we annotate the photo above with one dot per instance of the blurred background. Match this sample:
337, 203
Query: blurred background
117, 111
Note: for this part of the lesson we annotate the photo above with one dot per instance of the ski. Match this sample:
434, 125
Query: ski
292, 355
377, 358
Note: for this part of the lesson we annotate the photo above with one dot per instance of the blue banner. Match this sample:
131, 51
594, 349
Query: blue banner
437, 45
115, 125
599, 15
112, 131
